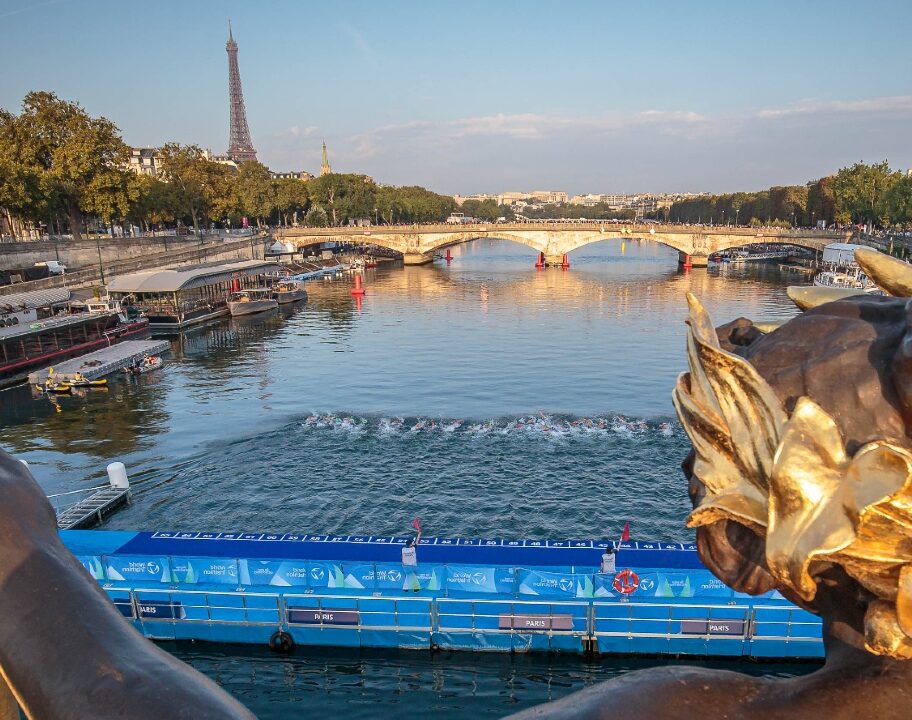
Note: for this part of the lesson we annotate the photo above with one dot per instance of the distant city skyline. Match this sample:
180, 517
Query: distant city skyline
490, 97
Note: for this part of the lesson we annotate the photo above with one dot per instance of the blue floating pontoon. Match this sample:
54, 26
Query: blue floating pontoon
466, 594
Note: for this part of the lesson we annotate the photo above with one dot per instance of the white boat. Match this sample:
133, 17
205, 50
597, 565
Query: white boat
300, 277
148, 364
249, 302
288, 291
848, 280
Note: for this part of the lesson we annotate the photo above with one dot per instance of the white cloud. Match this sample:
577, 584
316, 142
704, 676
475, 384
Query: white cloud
652, 149
812, 106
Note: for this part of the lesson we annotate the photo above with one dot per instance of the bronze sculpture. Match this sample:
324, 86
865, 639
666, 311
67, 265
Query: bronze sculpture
65, 651
801, 480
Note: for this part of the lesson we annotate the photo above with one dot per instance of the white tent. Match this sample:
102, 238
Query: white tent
840, 253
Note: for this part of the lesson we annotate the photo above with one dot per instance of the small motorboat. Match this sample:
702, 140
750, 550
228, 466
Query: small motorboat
148, 364
248, 302
288, 291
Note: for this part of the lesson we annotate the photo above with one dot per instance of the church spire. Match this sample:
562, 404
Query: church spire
325, 169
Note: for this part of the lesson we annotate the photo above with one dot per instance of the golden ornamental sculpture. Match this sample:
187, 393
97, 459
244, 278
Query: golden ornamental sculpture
790, 479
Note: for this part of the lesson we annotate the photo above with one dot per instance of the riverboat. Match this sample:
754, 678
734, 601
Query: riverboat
36, 331
287, 590
850, 280
288, 291
175, 299
251, 301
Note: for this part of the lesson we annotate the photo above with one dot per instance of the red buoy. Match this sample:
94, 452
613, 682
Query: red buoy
540, 263
565, 264
357, 289
687, 262
449, 256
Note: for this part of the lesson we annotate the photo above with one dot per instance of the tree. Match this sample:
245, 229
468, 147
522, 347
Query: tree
196, 180
316, 217
255, 191
897, 201
344, 196
821, 203
63, 160
154, 202
859, 190
291, 197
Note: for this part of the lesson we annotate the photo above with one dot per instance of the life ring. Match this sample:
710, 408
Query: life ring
626, 582
281, 642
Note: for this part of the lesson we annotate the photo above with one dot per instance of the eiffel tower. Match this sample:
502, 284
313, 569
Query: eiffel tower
240, 148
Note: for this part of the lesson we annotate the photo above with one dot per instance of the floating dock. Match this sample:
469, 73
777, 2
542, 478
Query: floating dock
285, 590
105, 361
91, 511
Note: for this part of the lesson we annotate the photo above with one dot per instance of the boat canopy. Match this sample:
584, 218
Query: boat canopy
841, 253
169, 281
33, 299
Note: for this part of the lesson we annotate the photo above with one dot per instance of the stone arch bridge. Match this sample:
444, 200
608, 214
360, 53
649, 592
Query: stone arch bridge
419, 243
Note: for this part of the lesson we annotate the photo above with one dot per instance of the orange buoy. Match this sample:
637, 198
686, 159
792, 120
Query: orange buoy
357, 290
565, 264
540, 263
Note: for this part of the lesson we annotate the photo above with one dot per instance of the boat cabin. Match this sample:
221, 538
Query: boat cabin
173, 299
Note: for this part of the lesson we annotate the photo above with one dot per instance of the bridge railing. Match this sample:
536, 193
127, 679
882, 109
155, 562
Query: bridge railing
563, 225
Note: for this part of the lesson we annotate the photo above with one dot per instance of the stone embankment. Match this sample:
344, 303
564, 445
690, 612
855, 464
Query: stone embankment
179, 253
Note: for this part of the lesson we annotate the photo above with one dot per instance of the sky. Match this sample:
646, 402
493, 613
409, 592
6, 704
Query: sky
492, 95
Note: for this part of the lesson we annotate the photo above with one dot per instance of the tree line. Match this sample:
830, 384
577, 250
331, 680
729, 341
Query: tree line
63, 169
863, 194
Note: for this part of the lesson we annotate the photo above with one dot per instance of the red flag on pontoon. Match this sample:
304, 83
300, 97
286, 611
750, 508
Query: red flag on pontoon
625, 536
416, 523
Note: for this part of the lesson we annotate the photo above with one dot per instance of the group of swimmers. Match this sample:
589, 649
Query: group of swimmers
540, 423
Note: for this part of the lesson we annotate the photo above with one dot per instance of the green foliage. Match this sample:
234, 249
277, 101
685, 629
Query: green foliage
599, 211
411, 204
291, 197
897, 201
196, 181
55, 158
316, 217
254, 191
860, 190
485, 210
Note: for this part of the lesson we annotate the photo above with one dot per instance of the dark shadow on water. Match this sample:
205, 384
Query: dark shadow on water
335, 682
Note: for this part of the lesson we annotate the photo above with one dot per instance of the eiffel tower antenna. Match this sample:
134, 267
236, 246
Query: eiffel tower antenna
240, 147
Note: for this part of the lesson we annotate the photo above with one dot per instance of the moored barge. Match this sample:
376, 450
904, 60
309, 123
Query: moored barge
174, 299
33, 336
284, 590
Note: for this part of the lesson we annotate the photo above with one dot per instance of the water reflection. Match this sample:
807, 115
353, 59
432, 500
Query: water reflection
366, 684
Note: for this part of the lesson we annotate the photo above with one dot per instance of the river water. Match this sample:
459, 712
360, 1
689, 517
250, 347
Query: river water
486, 397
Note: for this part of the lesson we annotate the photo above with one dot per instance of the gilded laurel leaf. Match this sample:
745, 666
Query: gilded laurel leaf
728, 495
904, 600
734, 420
826, 506
883, 634
878, 499
806, 514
